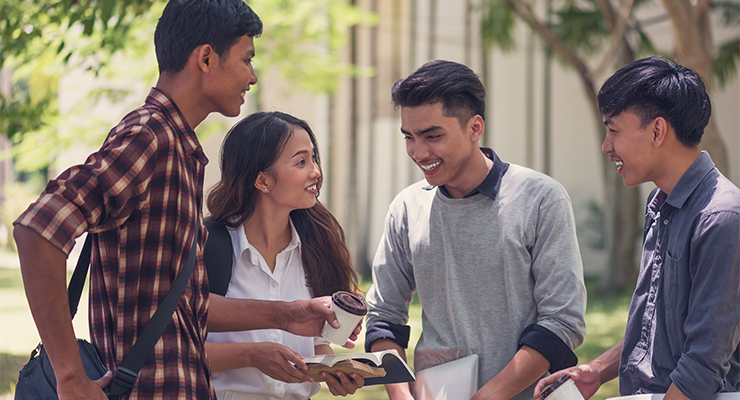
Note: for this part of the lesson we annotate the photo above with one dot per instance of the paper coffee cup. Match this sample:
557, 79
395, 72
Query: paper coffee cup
349, 310
562, 389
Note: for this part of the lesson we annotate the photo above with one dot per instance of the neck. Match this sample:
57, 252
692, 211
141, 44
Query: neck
185, 92
268, 229
474, 175
675, 167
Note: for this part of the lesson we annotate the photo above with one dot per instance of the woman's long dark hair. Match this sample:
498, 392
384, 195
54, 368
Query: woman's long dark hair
254, 145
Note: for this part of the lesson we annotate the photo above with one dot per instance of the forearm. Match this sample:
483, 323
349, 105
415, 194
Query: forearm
395, 390
323, 349
43, 267
607, 364
227, 314
524, 369
226, 356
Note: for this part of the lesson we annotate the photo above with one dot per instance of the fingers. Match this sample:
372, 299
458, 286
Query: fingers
353, 337
104, 380
322, 306
295, 358
277, 361
548, 380
341, 384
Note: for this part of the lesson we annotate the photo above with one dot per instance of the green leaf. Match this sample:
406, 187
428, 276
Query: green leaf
726, 62
497, 25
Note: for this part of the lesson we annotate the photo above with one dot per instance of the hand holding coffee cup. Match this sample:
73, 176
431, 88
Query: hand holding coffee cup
562, 389
349, 310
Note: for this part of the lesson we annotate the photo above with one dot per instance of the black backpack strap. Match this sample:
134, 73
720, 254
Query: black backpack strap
218, 257
77, 282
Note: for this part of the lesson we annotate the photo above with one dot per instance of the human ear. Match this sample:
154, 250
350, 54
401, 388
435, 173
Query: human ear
263, 182
660, 130
476, 126
205, 55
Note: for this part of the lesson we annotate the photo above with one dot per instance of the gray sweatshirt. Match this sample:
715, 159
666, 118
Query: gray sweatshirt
484, 270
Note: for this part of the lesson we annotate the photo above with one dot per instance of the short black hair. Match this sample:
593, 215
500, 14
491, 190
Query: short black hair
187, 24
658, 87
456, 86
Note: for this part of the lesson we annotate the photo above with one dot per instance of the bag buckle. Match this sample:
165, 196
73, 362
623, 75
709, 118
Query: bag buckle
124, 379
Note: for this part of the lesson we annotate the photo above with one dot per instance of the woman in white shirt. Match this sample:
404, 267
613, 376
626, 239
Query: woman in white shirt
287, 246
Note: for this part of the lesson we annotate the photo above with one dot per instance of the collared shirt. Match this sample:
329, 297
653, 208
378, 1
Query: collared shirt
684, 320
491, 183
140, 196
252, 279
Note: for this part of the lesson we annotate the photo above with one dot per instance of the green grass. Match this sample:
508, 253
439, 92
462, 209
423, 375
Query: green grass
605, 320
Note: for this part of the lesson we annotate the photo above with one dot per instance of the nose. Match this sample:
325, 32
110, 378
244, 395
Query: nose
253, 79
417, 149
607, 146
315, 171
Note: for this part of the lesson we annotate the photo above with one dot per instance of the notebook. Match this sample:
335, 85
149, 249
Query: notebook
454, 380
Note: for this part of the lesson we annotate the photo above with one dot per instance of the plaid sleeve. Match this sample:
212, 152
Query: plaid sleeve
101, 193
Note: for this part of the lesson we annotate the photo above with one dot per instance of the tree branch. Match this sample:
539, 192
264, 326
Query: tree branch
618, 28
560, 48
701, 7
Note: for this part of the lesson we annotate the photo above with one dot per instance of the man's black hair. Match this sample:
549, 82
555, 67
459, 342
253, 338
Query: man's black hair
187, 24
657, 87
456, 86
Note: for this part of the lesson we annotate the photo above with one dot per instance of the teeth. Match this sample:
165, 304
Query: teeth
430, 166
618, 164
312, 187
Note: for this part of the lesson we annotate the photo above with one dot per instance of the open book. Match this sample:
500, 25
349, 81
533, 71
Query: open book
395, 368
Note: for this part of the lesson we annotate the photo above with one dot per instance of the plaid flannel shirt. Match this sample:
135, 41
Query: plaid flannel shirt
139, 195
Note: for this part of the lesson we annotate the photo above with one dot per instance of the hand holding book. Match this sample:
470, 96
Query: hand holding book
380, 367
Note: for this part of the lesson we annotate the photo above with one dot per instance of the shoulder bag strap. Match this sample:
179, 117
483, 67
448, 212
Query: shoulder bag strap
127, 373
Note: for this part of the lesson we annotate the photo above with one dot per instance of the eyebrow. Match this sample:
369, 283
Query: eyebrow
299, 152
423, 132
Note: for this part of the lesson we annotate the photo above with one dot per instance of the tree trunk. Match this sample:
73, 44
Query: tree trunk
623, 226
692, 34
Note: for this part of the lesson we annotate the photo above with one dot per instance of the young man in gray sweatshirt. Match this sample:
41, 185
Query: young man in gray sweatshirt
489, 247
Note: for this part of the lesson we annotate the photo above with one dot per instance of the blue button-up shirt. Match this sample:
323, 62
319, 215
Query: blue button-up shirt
684, 320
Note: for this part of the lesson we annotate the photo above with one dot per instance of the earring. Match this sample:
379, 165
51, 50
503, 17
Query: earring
265, 189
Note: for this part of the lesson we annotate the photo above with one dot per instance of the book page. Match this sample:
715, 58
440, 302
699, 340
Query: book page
331, 359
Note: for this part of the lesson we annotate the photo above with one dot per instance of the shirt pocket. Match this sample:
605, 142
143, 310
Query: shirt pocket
675, 286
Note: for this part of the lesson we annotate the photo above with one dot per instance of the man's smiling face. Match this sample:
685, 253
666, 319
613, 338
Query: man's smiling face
630, 146
438, 144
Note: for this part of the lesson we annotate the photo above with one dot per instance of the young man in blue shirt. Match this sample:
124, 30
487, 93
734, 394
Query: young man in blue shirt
683, 327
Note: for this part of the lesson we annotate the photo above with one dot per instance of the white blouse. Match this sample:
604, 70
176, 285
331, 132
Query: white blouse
252, 279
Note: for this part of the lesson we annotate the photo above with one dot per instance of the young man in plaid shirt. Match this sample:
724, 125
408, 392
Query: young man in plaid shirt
140, 196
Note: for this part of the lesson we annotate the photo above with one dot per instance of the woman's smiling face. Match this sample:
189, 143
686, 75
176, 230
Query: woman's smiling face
296, 174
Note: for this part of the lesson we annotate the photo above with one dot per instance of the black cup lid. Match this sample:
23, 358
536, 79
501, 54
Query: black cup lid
550, 389
349, 303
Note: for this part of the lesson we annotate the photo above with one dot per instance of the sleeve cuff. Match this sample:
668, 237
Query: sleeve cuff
550, 346
695, 380
386, 330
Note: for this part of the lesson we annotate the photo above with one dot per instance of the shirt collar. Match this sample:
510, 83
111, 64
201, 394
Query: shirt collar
240, 243
690, 180
177, 120
491, 184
